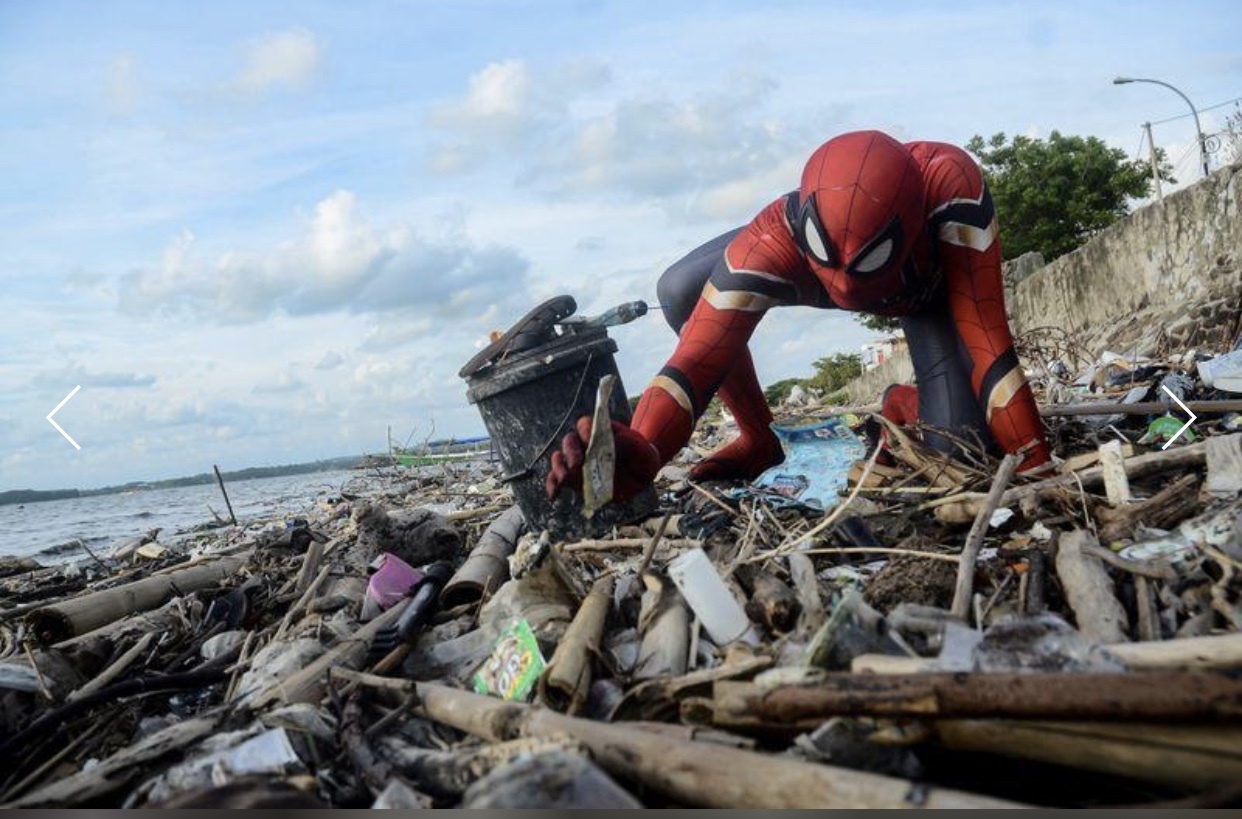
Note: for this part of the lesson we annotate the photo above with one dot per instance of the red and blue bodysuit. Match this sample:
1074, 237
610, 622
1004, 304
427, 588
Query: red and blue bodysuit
877, 226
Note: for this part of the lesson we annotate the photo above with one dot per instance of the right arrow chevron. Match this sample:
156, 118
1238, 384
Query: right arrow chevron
1186, 410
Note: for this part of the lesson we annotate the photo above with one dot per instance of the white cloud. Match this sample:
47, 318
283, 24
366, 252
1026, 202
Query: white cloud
341, 263
508, 106
283, 384
703, 155
500, 91
287, 59
84, 377
331, 360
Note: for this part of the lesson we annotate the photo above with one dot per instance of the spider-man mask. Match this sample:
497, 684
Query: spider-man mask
858, 215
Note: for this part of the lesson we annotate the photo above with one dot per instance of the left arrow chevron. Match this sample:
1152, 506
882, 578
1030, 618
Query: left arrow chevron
53, 412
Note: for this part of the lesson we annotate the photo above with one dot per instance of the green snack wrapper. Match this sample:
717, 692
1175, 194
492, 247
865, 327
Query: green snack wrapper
514, 667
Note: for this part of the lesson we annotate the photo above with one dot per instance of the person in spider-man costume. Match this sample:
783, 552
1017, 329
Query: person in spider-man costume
877, 226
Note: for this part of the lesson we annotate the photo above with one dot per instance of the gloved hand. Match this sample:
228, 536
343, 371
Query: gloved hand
637, 462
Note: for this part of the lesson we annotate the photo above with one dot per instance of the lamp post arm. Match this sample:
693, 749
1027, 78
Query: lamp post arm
1198, 128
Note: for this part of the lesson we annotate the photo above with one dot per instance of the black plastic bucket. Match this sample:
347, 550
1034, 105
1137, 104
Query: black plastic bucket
529, 401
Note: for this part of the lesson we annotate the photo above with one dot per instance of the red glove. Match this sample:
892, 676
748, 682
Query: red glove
637, 462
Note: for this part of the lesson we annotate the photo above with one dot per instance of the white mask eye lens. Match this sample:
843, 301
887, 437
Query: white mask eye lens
815, 242
876, 258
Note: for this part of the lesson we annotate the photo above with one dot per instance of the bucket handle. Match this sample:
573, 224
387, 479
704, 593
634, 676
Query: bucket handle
543, 451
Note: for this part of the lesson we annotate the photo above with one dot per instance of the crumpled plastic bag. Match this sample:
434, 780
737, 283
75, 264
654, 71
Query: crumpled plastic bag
817, 463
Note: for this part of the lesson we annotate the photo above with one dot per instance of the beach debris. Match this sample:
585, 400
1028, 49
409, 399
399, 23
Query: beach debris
735, 646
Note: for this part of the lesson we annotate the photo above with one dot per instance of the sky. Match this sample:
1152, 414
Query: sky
259, 233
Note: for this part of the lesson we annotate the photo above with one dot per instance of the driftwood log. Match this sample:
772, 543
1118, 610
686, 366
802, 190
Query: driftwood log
1221, 652
1188, 457
692, 773
1089, 589
1163, 510
1153, 696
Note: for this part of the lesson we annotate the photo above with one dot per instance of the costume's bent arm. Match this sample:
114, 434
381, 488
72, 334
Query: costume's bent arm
969, 245
711, 341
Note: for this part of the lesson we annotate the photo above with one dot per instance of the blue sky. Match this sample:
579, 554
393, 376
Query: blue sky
260, 233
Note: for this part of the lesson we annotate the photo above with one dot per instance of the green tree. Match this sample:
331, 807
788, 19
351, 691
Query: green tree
776, 393
885, 325
834, 372
1052, 196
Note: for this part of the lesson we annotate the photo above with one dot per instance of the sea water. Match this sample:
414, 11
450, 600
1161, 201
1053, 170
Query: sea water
48, 531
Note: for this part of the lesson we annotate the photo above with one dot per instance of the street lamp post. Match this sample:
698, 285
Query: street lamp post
1203, 157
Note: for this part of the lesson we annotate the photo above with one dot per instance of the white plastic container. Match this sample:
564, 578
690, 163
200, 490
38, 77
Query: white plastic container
709, 598
1223, 372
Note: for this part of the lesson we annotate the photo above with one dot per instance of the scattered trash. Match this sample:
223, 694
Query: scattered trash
514, 667
1224, 372
1165, 428
709, 598
793, 642
391, 582
818, 458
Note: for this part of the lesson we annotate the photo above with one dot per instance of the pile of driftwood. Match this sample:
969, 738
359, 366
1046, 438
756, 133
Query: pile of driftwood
949, 634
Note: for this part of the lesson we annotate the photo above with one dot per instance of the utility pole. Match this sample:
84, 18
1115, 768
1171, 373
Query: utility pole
1155, 169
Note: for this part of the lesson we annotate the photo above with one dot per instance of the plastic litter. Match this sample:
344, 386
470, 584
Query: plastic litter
1223, 372
817, 460
709, 598
1165, 428
514, 667
392, 580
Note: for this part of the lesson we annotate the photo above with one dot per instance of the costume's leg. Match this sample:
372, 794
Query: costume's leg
942, 372
757, 447
680, 286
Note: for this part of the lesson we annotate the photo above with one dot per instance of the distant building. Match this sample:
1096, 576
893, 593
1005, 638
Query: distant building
875, 353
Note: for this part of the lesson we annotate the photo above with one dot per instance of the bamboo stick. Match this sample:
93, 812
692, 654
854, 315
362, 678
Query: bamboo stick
78, 615
1222, 652
310, 566
630, 543
487, 566
970, 553
566, 681
115, 670
309, 684
1180, 756
692, 773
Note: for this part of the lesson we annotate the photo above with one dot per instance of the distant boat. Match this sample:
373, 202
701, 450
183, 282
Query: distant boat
444, 451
